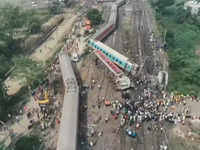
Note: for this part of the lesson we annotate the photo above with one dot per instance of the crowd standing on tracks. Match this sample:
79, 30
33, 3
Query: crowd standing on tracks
147, 108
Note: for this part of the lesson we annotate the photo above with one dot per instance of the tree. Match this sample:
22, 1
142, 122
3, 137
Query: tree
4, 103
161, 4
55, 8
95, 16
28, 143
182, 15
15, 20
2, 147
170, 38
4, 66
66, 2
34, 25
29, 71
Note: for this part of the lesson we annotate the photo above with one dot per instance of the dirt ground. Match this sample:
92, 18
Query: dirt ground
95, 117
44, 127
54, 43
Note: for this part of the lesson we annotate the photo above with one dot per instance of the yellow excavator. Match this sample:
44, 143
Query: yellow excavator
45, 100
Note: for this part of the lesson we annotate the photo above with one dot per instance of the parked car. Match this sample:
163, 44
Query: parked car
131, 133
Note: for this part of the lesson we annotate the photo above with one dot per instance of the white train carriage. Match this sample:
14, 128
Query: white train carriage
68, 132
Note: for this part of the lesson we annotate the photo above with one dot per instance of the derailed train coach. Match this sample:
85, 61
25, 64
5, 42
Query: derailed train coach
114, 56
68, 132
104, 32
112, 22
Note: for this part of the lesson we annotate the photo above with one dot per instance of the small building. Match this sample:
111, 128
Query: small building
88, 26
88, 22
193, 5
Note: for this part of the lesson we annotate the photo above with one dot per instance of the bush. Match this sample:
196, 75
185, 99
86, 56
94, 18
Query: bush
28, 143
95, 16
34, 25
55, 8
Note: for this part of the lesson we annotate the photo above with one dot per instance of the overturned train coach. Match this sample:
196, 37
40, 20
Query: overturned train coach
122, 61
114, 56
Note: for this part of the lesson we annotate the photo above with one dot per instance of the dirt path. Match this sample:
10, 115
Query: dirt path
45, 51
54, 42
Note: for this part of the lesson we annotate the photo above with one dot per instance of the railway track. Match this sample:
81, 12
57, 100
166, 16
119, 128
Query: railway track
142, 28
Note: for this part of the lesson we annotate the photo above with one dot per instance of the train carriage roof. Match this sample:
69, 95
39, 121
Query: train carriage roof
112, 51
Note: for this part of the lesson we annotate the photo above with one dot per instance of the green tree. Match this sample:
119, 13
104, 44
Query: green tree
161, 4
4, 66
4, 103
2, 147
15, 20
182, 15
95, 16
66, 2
34, 25
29, 71
28, 143
12, 19
170, 38
55, 8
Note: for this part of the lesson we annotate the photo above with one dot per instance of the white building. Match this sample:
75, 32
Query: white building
194, 5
